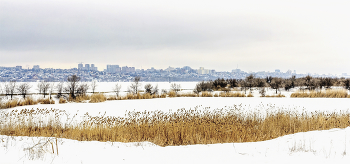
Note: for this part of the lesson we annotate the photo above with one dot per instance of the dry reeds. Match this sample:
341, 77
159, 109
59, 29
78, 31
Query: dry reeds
278, 95
332, 93
230, 94
10, 104
18, 102
172, 94
62, 101
46, 101
187, 95
97, 97
27, 101
183, 127
206, 94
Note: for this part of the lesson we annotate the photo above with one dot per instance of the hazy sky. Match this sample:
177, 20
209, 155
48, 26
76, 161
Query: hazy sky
312, 36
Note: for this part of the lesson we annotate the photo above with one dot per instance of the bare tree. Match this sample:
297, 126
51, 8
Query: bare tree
38, 86
117, 88
10, 88
260, 82
346, 84
307, 81
250, 80
150, 89
276, 83
93, 86
134, 88
244, 85
82, 89
233, 83
155, 90
51, 88
72, 85
262, 91
175, 87
44, 87
23, 89
59, 88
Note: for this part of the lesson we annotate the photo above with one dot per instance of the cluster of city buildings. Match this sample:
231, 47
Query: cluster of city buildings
116, 73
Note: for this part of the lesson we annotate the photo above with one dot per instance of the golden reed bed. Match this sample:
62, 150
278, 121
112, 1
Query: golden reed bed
184, 127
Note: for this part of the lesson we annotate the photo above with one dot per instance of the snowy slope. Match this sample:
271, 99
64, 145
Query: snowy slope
328, 146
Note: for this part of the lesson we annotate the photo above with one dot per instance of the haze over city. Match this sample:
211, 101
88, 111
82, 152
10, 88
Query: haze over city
310, 36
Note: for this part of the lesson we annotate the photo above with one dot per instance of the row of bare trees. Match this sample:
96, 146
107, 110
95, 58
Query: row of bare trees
304, 83
135, 88
72, 87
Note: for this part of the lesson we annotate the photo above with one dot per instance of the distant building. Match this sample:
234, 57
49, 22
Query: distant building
80, 66
236, 71
113, 68
87, 67
277, 70
169, 69
127, 69
36, 67
203, 71
18, 67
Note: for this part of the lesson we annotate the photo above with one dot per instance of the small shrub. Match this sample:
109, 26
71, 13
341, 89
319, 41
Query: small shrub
163, 95
250, 95
10, 103
206, 94
62, 101
112, 98
46, 101
27, 101
99, 97
172, 94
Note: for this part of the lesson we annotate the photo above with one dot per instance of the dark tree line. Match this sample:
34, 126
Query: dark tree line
304, 83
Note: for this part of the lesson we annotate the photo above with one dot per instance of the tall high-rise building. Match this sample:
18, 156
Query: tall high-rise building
36, 67
127, 69
80, 66
87, 67
112, 68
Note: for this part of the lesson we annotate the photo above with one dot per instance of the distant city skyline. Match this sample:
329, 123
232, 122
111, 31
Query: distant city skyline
123, 69
308, 36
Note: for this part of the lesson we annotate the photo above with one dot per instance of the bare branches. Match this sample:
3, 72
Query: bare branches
23, 89
175, 87
43, 87
59, 88
72, 86
134, 88
93, 86
117, 88
10, 88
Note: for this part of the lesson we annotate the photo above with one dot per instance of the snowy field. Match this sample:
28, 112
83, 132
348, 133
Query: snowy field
329, 146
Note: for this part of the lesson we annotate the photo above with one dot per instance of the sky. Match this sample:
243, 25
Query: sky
306, 36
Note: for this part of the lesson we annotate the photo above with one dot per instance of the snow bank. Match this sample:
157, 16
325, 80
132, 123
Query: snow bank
328, 146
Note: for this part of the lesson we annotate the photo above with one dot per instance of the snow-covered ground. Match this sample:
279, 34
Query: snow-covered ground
330, 146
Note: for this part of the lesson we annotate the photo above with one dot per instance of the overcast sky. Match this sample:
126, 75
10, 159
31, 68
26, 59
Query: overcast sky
311, 36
